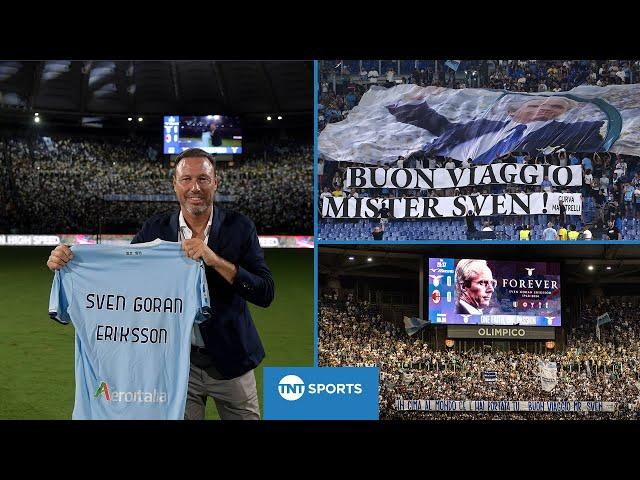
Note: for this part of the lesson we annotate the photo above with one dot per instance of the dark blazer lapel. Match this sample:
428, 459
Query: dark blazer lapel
216, 223
172, 235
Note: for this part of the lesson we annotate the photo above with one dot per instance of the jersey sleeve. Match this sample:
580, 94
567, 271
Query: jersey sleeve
59, 298
202, 297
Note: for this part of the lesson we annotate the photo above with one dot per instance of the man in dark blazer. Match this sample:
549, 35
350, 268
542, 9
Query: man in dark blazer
519, 133
226, 348
215, 135
474, 286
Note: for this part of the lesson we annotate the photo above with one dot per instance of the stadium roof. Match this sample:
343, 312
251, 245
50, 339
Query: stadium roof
105, 87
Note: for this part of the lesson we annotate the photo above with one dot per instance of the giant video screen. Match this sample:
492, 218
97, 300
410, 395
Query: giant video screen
488, 292
218, 134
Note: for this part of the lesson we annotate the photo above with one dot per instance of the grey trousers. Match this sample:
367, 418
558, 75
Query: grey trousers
236, 399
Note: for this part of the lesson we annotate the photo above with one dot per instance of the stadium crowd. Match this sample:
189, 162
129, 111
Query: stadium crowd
611, 193
276, 193
352, 333
514, 75
57, 186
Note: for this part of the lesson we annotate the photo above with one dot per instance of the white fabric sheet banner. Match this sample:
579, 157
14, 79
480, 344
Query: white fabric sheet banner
548, 375
494, 174
443, 207
504, 406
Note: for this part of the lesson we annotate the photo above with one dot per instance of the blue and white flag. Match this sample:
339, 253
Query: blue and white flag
49, 143
490, 376
414, 324
604, 318
453, 64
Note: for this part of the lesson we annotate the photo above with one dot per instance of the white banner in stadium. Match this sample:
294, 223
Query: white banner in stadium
430, 178
442, 207
504, 406
483, 124
548, 375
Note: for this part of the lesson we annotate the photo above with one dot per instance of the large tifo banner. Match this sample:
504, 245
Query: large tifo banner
430, 178
441, 207
504, 406
482, 124
492, 292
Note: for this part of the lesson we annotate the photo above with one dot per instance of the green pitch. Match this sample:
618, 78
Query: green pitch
37, 353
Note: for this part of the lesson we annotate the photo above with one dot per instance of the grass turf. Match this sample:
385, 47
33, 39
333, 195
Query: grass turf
36, 353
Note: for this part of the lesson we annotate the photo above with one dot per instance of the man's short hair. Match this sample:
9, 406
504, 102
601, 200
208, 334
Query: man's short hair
464, 269
194, 153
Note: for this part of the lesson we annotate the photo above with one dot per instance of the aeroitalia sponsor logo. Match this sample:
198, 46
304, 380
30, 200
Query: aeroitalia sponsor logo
103, 389
130, 397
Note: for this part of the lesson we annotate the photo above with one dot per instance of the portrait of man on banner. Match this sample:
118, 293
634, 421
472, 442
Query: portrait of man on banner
514, 123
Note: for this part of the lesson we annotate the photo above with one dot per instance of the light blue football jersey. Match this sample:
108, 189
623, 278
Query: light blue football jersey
133, 308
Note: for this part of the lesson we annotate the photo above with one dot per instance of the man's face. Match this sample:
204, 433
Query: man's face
542, 110
478, 294
195, 185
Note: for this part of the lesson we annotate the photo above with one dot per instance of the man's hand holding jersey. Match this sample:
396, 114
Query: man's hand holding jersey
59, 257
196, 249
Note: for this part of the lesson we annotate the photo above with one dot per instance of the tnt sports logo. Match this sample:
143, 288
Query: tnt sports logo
291, 387
321, 393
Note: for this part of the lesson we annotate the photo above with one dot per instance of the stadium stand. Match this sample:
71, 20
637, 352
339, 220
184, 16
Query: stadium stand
352, 333
610, 192
62, 184
76, 132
